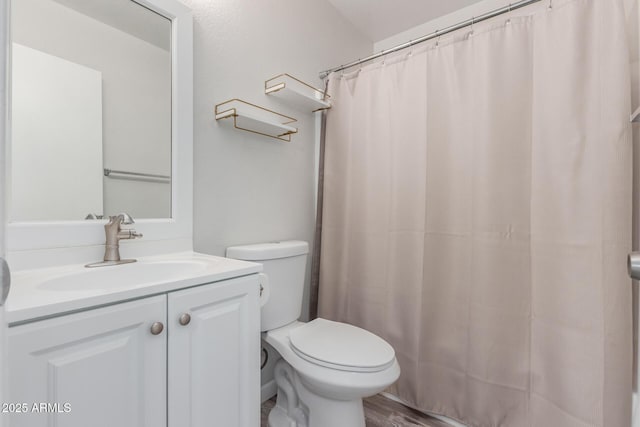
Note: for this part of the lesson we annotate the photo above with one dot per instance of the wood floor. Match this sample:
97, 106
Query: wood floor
379, 412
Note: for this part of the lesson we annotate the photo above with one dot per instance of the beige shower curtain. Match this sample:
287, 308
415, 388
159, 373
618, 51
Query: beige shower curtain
477, 215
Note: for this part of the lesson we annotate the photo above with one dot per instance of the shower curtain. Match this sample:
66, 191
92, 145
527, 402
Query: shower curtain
477, 215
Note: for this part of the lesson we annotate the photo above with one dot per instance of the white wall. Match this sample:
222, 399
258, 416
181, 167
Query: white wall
134, 137
453, 18
249, 188
484, 6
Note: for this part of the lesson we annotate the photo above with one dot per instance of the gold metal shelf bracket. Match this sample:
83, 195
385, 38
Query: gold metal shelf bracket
256, 119
298, 92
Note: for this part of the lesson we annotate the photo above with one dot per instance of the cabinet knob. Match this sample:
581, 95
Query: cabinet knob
156, 328
184, 319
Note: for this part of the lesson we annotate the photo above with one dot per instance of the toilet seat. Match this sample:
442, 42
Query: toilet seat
330, 381
341, 346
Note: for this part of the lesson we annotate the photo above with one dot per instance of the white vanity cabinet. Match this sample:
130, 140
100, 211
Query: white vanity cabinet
214, 365
114, 365
104, 364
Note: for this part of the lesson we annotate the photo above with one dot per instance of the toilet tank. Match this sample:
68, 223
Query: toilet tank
284, 264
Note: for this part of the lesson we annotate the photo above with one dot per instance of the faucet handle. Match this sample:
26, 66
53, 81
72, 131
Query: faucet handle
129, 234
126, 218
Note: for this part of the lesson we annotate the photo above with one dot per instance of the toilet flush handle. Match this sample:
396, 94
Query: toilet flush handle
263, 280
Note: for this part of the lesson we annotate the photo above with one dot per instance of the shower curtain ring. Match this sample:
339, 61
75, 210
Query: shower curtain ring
550, 4
473, 21
509, 12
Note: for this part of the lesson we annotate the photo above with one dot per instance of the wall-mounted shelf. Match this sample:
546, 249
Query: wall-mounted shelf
297, 93
635, 117
253, 118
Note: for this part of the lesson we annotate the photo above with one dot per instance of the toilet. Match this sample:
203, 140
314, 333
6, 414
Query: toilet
327, 367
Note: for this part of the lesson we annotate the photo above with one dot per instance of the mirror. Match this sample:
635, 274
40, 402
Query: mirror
91, 125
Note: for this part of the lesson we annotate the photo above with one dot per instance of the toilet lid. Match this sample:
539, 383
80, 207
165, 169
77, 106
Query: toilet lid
341, 346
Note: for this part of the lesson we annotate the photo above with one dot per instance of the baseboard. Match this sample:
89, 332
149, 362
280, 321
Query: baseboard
442, 418
268, 390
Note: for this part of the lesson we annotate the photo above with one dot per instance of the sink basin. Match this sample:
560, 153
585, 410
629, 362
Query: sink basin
52, 291
142, 273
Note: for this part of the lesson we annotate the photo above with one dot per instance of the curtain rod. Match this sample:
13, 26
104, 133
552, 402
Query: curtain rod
437, 33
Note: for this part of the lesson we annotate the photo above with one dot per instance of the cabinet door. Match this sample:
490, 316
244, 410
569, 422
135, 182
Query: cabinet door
98, 368
214, 366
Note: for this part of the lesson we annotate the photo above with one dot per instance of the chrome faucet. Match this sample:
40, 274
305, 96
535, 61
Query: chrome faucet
114, 233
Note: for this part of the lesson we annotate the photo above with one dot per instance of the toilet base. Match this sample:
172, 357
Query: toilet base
297, 406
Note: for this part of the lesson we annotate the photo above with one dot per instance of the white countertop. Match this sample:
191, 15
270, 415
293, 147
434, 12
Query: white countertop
42, 293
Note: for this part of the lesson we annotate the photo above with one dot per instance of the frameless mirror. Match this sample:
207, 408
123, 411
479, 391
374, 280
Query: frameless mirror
90, 110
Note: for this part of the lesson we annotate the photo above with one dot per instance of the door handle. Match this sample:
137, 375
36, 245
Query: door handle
5, 281
633, 265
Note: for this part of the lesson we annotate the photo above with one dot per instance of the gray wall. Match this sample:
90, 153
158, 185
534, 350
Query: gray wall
249, 188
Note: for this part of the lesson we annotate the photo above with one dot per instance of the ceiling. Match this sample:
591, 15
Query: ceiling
379, 19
